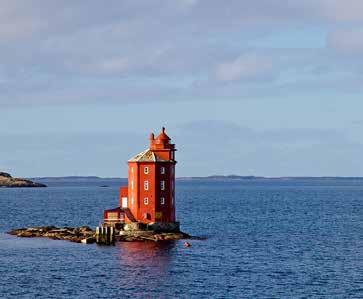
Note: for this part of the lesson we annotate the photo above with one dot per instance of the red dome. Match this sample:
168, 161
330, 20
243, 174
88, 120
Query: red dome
162, 135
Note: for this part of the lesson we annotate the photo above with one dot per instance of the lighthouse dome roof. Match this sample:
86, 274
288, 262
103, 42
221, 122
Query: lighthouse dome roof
163, 135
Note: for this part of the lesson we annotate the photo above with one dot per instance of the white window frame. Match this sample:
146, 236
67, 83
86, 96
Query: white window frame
162, 200
146, 185
146, 170
162, 185
162, 170
146, 201
124, 202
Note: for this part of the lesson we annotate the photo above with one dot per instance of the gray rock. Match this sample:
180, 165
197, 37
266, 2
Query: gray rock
7, 181
52, 232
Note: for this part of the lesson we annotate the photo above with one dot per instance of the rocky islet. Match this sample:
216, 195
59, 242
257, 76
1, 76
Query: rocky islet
7, 181
85, 234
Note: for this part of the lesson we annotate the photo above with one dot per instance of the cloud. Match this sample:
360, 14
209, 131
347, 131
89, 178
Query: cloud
245, 67
110, 65
347, 42
340, 11
49, 51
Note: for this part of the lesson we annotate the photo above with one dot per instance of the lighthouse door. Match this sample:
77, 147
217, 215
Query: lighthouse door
124, 202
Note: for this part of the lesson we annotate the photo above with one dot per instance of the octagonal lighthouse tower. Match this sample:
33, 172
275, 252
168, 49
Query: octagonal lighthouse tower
151, 184
150, 194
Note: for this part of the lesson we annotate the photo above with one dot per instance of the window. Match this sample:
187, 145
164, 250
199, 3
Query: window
146, 185
162, 185
124, 202
146, 201
162, 170
162, 200
146, 170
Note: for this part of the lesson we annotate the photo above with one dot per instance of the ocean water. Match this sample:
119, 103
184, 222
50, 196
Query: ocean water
266, 239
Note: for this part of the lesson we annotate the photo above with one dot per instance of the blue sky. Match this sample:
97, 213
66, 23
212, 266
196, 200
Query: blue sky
265, 87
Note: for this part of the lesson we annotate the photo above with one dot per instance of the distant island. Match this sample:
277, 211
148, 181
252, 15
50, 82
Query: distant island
250, 177
222, 177
74, 178
7, 181
211, 177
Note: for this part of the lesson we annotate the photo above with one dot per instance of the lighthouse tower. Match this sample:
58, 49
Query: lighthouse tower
150, 194
151, 184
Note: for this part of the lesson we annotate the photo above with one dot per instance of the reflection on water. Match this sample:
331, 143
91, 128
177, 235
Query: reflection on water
146, 254
145, 263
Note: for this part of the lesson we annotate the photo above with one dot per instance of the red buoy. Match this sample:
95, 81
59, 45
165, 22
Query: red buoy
187, 244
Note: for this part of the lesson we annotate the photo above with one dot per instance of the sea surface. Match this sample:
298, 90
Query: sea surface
266, 239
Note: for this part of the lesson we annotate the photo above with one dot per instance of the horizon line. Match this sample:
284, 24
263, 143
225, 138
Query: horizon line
204, 177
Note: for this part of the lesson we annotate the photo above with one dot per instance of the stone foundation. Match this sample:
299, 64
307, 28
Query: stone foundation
154, 226
170, 227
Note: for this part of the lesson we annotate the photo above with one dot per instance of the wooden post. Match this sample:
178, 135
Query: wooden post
105, 235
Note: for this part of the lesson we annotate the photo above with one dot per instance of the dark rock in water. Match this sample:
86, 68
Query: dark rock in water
7, 181
85, 234
89, 240
56, 233
131, 236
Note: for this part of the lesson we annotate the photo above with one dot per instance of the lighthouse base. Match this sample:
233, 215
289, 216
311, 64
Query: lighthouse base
108, 233
141, 236
153, 226
164, 227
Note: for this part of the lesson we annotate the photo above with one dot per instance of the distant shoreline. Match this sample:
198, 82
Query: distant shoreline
212, 177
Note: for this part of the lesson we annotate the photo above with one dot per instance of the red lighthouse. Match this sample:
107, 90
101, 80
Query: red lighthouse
150, 194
